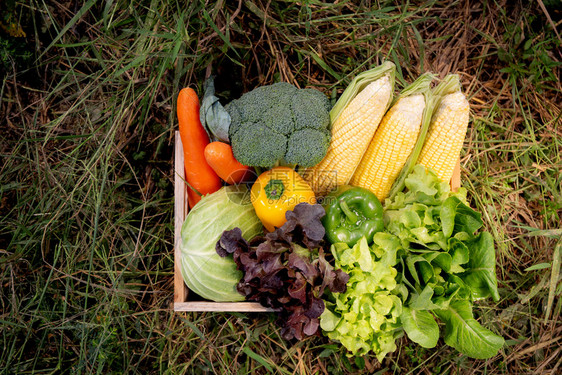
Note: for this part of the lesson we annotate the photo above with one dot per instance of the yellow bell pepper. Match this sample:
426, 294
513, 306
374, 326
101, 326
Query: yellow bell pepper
277, 191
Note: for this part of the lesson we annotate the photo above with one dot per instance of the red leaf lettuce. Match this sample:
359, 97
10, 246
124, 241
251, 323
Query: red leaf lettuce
287, 269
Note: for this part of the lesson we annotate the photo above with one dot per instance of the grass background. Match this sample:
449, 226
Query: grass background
86, 197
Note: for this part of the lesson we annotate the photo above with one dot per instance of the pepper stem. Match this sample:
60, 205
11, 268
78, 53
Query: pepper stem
274, 189
351, 216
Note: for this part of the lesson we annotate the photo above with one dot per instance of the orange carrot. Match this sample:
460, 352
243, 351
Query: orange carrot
220, 157
198, 173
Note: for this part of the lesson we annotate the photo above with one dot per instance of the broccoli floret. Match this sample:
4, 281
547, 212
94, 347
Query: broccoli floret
280, 124
254, 138
309, 111
307, 147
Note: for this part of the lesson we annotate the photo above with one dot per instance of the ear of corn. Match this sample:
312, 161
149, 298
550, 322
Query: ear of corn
355, 118
449, 85
394, 141
447, 130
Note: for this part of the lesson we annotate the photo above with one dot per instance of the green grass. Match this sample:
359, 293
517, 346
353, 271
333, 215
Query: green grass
86, 194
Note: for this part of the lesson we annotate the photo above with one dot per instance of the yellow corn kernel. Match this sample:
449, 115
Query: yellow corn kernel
445, 136
351, 133
391, 146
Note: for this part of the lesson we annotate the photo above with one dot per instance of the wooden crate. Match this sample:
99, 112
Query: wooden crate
182, 296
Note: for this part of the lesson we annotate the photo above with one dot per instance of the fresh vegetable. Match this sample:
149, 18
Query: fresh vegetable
424, 257
445, 265
199, 175
394, 141
352, 213
429, 262
447, 130
366, 317
220, 157
279, 124
205, 273
214, 118
444, 161
465, 334
355, 118
276, 192
286, 270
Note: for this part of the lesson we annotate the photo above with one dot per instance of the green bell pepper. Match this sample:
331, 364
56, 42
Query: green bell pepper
351, 213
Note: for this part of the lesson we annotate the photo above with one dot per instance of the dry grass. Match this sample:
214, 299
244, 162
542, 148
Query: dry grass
87, 100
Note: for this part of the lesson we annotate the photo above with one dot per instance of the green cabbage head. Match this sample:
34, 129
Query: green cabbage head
203, 270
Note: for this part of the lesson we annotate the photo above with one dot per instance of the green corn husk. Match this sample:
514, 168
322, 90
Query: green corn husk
358, 83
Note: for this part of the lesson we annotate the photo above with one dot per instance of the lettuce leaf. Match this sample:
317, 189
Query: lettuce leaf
480, 275
422, 301
457, 217
465, 334
420, 326
366, 317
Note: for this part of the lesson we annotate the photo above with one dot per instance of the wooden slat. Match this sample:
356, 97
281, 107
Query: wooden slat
180, 209
456, 178
221, 306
